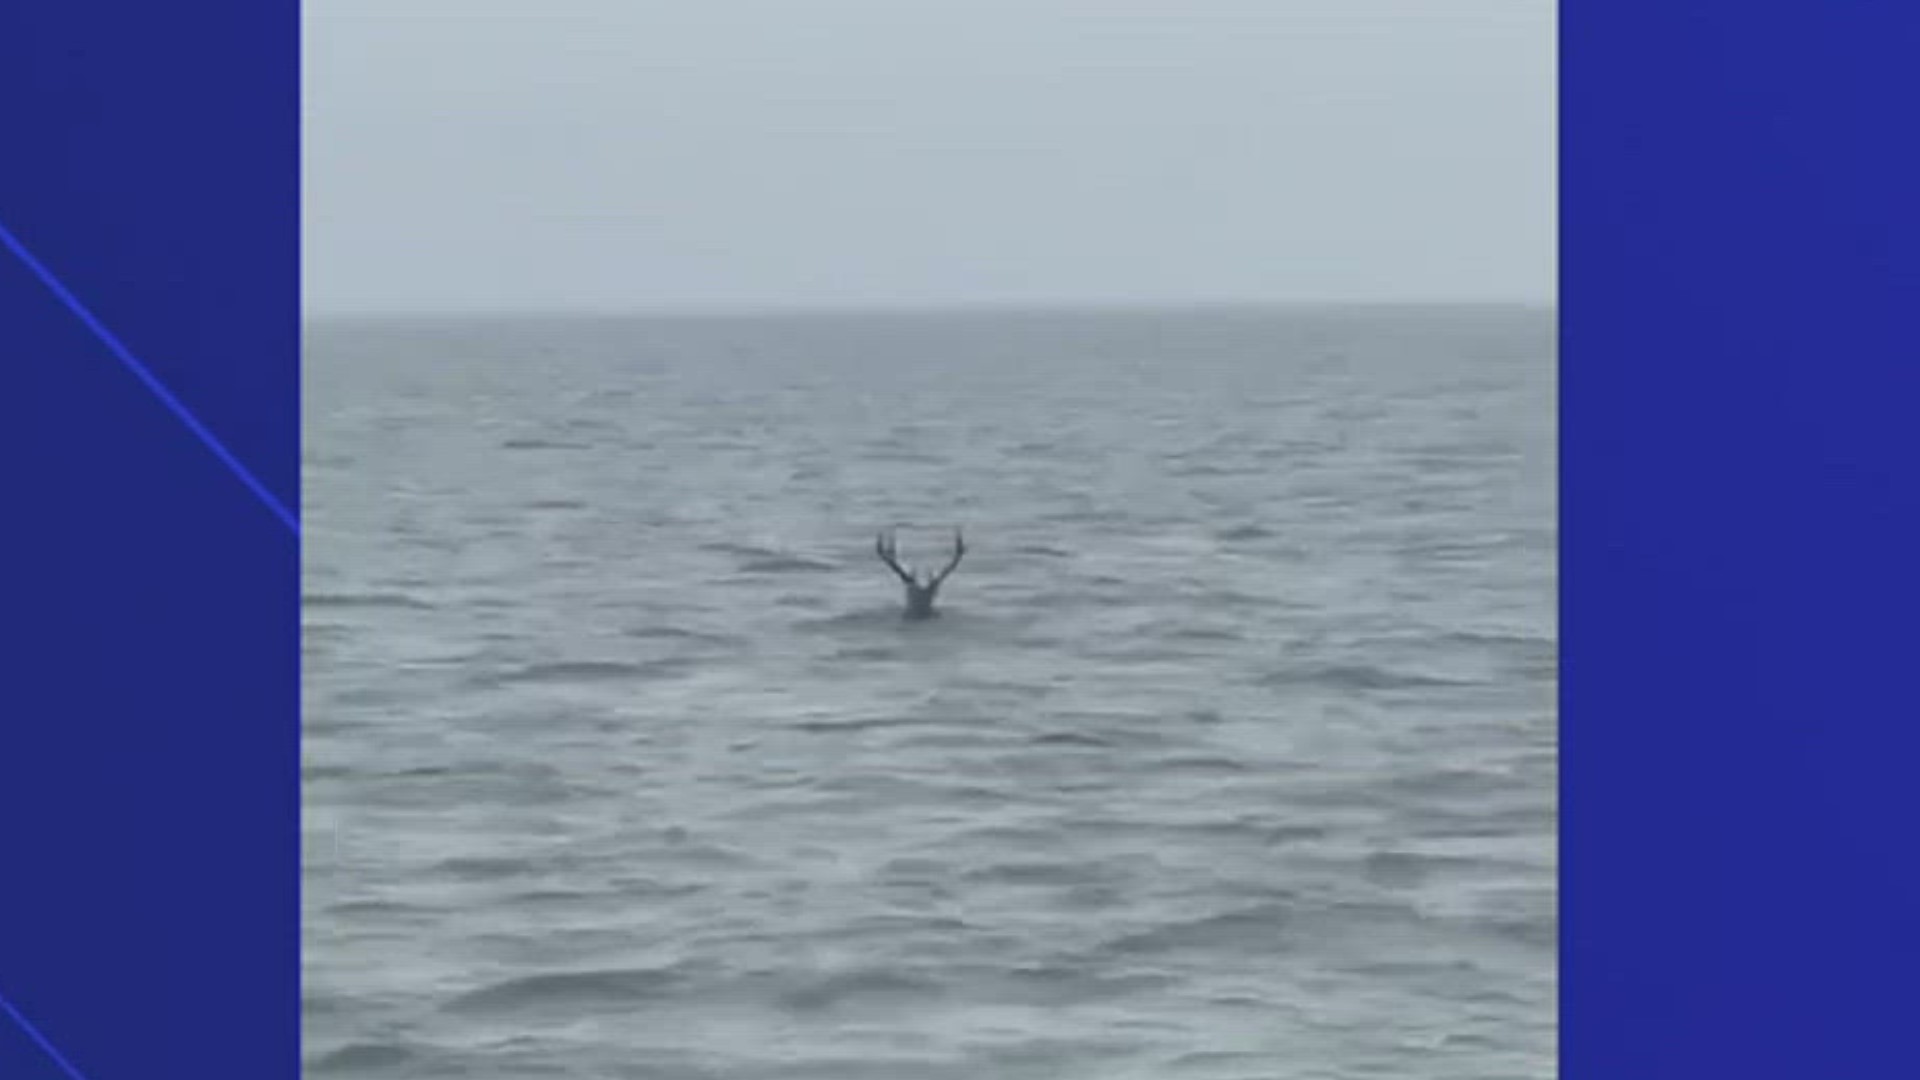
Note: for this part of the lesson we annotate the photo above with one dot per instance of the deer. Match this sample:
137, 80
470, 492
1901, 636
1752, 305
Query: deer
921, 588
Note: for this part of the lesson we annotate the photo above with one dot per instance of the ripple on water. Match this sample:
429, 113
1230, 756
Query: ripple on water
579, 672
356, 1059
786, 564
1358, 677
569, 990
393, 601
1261, 928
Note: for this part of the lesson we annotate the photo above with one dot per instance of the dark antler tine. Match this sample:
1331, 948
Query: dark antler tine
886, 548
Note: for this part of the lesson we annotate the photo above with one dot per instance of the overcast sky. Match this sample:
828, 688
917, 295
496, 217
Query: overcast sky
646, 154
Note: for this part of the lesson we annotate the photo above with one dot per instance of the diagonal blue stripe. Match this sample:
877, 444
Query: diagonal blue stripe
40, 1040
146, 376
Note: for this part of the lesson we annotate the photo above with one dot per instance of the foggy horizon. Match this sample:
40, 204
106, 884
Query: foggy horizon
747, 157
881, 309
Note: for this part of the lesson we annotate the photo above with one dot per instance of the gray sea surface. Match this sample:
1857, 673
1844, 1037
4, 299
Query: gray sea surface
1233, 756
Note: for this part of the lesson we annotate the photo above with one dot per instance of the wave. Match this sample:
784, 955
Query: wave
764, 559
1525, 655
366, 909
1201, 763
1401, 869
1498, 640
1360, 677
1071, 738
1055, 985
867, 986
821, 727
1206, 633
587, 671
1293, 834
356, 1058
788, 992
676, 633
1461, 782
570, 990
1209, 469
1256, 928
785, 564
484, 869
1039, 874
542, 444
868, 619
365, 600
865, 654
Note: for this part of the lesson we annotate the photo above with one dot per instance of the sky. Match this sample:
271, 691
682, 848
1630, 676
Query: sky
639, 155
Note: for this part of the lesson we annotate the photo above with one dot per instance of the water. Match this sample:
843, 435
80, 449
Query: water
1232, 757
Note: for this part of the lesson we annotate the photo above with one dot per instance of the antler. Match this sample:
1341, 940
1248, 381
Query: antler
885, 547
959, 552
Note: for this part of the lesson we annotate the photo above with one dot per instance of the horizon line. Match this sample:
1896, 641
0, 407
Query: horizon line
738, 310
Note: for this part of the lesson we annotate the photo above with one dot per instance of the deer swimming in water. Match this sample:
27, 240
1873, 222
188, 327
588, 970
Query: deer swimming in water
921, 588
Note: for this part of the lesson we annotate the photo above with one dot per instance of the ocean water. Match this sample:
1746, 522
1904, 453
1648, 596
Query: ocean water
1233, 756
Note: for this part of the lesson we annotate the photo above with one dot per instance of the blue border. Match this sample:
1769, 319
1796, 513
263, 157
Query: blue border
149, 781
1740, 381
